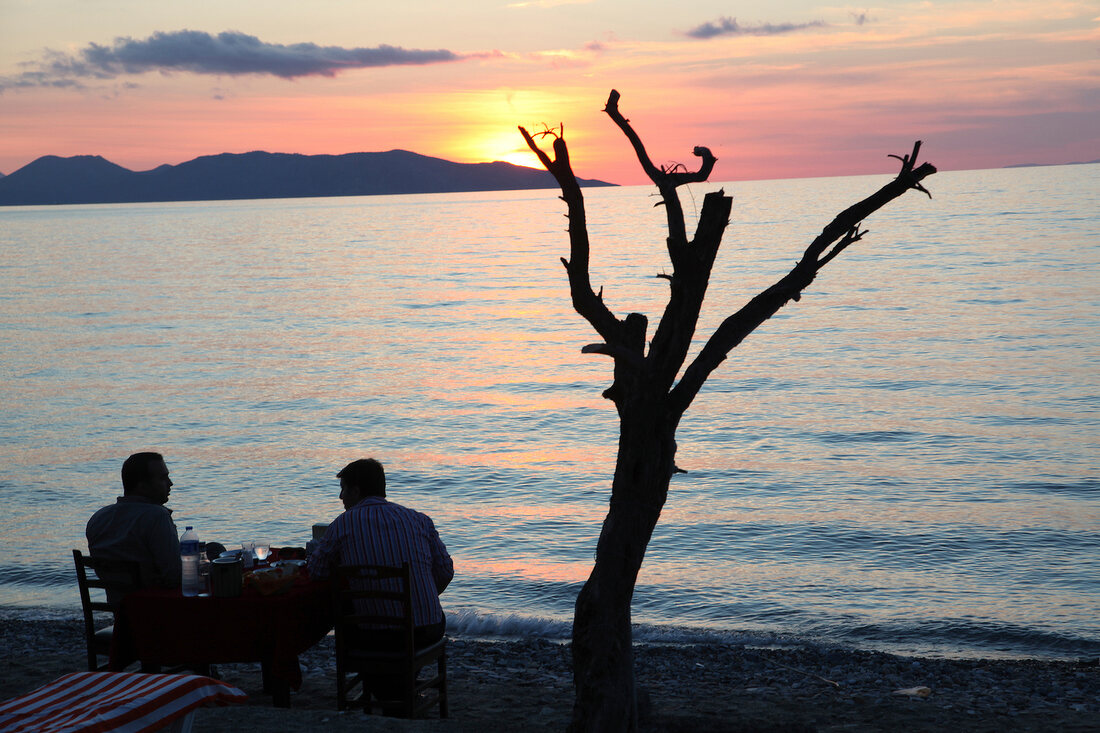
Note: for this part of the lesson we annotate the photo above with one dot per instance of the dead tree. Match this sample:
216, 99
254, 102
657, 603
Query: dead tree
649, 398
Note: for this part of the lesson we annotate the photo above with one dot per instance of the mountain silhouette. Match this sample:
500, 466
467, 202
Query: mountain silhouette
91, 179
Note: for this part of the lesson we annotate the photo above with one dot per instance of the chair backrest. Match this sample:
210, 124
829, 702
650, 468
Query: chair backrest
376, 643
371, 598
115, 578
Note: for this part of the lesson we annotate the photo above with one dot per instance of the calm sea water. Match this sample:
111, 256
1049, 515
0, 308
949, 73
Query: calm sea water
906, 460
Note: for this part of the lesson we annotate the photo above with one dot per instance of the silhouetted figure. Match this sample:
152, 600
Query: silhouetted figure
138, 526
374, 531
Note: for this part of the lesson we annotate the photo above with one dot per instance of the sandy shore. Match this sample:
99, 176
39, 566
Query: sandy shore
525, 685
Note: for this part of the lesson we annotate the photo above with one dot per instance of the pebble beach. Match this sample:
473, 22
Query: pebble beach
525, 685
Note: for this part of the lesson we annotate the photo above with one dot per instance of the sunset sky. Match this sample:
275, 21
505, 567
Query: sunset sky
778, 89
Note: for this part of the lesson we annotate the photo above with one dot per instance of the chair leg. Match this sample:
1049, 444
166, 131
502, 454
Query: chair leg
341, 692
443, 710
344, 685
278, 688
408, 695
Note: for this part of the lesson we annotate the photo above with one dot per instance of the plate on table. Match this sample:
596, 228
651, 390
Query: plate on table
288, 563
269, 581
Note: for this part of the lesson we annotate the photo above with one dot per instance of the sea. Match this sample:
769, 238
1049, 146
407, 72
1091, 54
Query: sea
906, 460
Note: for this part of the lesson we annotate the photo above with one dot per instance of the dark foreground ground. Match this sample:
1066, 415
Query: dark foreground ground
526, 686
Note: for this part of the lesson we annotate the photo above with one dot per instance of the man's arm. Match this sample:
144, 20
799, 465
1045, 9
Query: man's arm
443, 568
164, 549
325, 555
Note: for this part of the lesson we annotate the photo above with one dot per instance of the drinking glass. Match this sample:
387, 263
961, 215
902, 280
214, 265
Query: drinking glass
262, 549
248, 554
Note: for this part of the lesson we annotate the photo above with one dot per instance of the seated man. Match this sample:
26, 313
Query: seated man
373, 531
138, 526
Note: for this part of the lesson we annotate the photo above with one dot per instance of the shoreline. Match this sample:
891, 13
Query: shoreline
526, 684
471, 624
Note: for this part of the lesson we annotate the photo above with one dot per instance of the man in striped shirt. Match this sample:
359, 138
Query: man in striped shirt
373, 531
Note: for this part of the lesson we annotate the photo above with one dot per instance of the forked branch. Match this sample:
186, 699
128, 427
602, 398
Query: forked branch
848, 220
666, 180
660, 176
842, 232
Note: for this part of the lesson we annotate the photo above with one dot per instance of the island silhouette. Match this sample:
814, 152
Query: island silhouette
92, 179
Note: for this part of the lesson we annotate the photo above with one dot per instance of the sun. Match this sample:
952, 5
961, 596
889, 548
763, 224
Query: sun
524, 158
507, 146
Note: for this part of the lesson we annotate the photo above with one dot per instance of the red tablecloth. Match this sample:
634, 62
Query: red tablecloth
164, 627
90, 702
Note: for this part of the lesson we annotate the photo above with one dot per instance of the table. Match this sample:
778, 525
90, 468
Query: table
162, 627
92, 702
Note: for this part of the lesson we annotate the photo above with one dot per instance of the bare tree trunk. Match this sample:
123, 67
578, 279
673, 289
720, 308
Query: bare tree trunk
649, 399
603, 660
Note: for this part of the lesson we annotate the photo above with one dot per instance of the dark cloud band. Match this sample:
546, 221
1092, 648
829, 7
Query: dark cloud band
230, 53
730, 27
237, 53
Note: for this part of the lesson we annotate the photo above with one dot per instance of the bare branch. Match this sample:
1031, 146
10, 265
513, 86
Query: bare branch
908, 178
907, 163
659, 176
688, 288
843, 231
585, 301
543, 157
852, 236
617, 352
612, 110
666, 180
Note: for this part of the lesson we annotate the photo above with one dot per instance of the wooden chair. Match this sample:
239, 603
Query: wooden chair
384, 608
115, 578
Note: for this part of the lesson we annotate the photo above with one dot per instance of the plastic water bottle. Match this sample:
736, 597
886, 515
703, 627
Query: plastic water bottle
189, 560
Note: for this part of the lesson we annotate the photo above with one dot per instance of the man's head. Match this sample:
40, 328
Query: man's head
360, 479
144, 474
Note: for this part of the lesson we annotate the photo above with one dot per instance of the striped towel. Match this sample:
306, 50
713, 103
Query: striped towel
89, 702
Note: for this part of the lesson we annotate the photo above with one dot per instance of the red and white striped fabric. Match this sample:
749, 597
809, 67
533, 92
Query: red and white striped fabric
89, 702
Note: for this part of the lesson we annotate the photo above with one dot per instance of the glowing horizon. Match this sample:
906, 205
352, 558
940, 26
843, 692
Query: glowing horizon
791, 89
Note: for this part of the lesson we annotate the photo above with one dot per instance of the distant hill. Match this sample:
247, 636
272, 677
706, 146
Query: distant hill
91, 179
1041, 165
